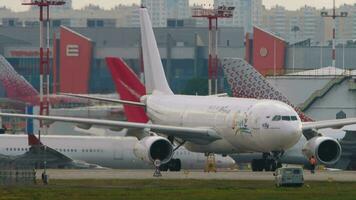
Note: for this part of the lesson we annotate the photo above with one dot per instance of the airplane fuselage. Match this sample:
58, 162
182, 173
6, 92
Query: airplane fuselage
110, 152
245, 125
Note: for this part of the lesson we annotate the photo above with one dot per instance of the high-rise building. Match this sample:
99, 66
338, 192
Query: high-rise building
158, 11
276, 20
178, 9
294, 25
247, 13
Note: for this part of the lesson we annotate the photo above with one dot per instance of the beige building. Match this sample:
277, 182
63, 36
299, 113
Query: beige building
247, 13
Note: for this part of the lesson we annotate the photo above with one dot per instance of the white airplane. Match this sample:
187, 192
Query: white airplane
96, 152
206, 124
244, 81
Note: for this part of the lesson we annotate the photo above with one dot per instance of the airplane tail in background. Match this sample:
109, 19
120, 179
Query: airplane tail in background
15, 85
129, 88
155, 78
246, 82
32, 139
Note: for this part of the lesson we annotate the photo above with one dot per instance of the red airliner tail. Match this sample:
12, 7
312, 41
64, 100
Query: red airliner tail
129, 87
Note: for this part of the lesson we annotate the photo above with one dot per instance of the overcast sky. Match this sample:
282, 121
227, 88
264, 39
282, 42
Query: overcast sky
289, 4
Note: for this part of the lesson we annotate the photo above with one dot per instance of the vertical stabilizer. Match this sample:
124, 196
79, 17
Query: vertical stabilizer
32, 139
129, 87
155, 79
246, 82
15, 85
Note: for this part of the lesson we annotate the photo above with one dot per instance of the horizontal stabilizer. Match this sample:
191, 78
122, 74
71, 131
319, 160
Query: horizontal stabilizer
133, 103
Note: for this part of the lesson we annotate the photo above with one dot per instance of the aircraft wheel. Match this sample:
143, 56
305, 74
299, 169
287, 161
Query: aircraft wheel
178, 165
257, 165
279, 165
175, 165
267, 165
273, 165
164, 167
254, 165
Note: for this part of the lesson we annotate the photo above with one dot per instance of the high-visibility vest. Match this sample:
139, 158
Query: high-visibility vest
312, 161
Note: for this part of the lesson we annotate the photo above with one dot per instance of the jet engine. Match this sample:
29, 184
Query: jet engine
153, 148
325, 149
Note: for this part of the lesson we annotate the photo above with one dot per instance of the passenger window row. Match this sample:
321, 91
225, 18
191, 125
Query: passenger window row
16, 149
60, 150
284, 118
82, 150
182, 153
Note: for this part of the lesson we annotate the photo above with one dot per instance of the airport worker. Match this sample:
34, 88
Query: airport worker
312, 162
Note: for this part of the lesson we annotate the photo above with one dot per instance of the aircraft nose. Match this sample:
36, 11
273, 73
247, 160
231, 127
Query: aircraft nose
231, 162
290, 135
282, 138
226, 162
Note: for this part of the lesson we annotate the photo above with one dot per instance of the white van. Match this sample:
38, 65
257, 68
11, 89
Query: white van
289, 176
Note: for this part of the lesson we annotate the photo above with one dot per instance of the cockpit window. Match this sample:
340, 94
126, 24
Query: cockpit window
286, 118
276, 118
294, 118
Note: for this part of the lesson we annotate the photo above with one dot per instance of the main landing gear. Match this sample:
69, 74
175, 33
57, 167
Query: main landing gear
174, 165
269, 162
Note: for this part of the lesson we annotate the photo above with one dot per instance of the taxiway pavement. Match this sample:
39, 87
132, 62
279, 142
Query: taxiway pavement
341, 176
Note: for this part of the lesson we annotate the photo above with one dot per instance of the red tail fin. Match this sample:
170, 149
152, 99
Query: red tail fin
129, 87
32, 139
15, 85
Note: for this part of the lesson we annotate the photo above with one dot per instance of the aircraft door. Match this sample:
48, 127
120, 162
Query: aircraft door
117, 154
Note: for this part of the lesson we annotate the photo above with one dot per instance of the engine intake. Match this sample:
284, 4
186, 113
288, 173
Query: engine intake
325, 149
153, 148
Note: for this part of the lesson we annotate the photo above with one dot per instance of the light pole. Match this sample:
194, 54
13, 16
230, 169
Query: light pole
294, 29
333, 16
343, 56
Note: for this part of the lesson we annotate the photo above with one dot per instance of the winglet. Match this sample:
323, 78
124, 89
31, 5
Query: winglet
155, 78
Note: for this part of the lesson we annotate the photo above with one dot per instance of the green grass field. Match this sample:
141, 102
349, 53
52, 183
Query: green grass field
157, 189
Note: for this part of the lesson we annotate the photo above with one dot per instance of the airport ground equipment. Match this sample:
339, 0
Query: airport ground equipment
210, 165
289, 176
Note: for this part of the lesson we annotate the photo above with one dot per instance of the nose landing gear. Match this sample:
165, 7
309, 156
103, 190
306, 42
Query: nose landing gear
157, 172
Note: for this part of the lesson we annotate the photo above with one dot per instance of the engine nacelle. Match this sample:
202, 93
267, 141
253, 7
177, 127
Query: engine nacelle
325, 149
153, 148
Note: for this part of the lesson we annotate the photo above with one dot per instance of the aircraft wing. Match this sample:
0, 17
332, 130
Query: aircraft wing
334, 123
133, 103
199, 135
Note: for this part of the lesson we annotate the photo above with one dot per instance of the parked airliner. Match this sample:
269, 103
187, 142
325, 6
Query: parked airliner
244, 81
207, 124
93, 151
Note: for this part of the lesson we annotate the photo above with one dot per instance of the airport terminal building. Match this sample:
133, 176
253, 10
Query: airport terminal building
80, 67
79, 54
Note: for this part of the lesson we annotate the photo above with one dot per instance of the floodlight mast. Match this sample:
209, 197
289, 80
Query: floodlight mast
333, 16
44, 6
213, 15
